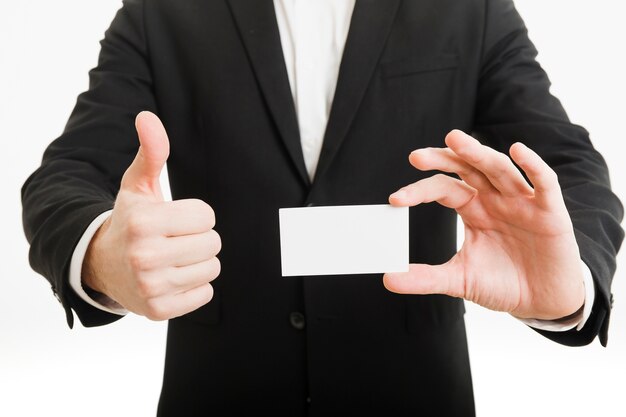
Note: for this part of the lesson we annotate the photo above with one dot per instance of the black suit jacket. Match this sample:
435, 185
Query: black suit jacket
213, 70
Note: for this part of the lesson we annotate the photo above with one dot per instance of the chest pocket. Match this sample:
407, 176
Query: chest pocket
414, 66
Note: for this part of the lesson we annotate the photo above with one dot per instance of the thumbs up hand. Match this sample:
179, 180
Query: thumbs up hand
153, 257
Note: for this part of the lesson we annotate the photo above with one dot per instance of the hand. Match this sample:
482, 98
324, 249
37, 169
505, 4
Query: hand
155, 258
520, 254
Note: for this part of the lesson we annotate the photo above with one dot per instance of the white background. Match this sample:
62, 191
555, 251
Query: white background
46, 49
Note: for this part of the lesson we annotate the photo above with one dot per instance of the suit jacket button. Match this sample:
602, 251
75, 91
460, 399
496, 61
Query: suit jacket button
297, 320
310, 205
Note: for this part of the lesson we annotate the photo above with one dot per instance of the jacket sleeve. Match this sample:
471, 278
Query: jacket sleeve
80, 172
514, 104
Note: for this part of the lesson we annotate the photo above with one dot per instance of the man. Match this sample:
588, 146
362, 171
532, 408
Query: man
298, 103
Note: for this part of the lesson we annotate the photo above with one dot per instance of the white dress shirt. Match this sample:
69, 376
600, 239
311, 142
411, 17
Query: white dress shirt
313, 35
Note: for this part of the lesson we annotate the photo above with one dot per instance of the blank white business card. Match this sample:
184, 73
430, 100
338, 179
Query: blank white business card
342, 240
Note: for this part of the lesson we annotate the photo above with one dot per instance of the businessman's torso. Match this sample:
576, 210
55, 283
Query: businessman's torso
408, 76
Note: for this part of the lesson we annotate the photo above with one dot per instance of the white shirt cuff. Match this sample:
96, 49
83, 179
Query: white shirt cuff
577, 321
100, 301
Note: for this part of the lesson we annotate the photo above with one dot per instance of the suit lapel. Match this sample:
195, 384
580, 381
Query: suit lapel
256, 21
371, 24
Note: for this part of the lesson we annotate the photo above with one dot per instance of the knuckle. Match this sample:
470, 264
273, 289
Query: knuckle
209, 214
463, 170
155, 310
501, 164
214, 268
209, 294
472, 158
495, 166
141, 260
136, 225
500, 158
136, 261
203, 211
216, 242
441, 178
145, 287
552, 176
196, 204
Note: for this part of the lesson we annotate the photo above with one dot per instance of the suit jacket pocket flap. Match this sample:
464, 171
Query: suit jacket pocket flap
416, 66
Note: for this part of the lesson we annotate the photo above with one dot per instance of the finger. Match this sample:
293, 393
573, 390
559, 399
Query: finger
175, 280
183, 217
427, 279
496, 166
444, 159
192, 299
171, 306
543, 178
159, 282
184, 278
142, 176
445, 190
186, 250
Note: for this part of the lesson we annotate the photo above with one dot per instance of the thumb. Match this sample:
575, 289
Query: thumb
427, 279
142, 176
